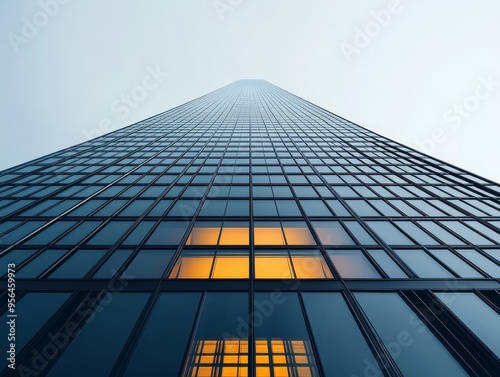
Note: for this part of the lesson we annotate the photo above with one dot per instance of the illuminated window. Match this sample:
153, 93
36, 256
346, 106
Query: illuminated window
224, 358
332, 233
268, 233
204, 233
284, 358
231, 264
309, 264
297, 233
301, 264
273, 264
212, 233
287, 233
234, 233
201, 264
193, 264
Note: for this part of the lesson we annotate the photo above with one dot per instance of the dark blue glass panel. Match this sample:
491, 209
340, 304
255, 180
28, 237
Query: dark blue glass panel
110, 233
40, 263
341, 346
78, 264
112, 264
149, 264
165, 338
102, 338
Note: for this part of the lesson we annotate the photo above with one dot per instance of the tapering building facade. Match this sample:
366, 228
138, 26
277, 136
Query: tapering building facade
248, 233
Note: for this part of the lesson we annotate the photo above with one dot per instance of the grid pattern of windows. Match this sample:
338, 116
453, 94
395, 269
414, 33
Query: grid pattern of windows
254, 198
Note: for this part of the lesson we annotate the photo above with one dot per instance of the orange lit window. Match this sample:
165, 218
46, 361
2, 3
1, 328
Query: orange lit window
297, 233
204, 233
193, 265
310, 265
231, 265
234, 233
224, 358
268, 233
208, 233
273, 265
284, 358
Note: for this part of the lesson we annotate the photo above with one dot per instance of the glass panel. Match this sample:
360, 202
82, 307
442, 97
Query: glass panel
220, 347
342, 349
287, 208
110, 233
389, 233
35, 309
309, 264
193, 264
40, 263
481, 261
113, 264
282, 344
441, 233
165, 337
204, 233
110, 329
407, 339
422, 264
360, 233
332, 233
475, 314
268, 233
49, 233
148, 264
272, 264
352, 264
16, 256
387, 263
456, 264
234, 233
78, 265
231, 265
467, 233
297, 233
416, 233
168, 233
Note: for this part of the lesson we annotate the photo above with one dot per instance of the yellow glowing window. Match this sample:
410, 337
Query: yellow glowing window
230, 266
208, 233
272, 265
204, 233
268, 233
193, 265
297, 234
289, 358
229, 358
234, 235
310, 265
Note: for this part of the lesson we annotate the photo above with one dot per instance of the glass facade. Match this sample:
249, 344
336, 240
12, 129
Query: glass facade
250, 233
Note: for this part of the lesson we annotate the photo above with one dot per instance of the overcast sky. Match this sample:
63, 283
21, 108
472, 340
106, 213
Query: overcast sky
424, 73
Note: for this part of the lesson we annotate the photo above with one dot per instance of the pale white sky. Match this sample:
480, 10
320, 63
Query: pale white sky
424, 73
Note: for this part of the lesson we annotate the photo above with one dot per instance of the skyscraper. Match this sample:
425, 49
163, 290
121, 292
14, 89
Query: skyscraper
249, 233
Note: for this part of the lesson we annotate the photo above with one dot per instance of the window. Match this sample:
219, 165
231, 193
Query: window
165, 338
282, 344
211, 233
205, 264
460, 267
168, 233
394, 321
217, 349
78, 265
387, 263
342, 349
481, 261
332, 233
423, 264
148, 264
40, 263
389, 233
282, 233
475, 314
352, 264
